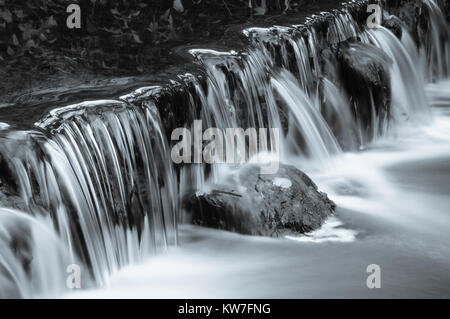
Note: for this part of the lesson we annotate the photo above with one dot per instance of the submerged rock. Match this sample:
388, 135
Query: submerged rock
271, 205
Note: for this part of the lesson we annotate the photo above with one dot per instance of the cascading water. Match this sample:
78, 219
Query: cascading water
239, 82
410, 100
98, 175
319, 141
437, 42
38, 260
338, 112
104, 180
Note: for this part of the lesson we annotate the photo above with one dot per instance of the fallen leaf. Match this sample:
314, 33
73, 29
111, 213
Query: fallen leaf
178, 5
27, 31
30, 44
136, 38
15, 40
165, 15
262, 9
51, 22
10, 51
6, 15
19, 13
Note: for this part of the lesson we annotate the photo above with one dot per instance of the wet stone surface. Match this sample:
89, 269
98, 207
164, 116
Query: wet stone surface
270, 205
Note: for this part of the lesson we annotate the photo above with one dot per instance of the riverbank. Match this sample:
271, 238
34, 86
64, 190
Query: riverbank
120, 44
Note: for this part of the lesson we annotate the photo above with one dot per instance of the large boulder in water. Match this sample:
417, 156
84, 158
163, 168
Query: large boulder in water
248, 202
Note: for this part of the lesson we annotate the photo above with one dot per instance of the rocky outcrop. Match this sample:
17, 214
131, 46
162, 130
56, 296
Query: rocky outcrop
269, 205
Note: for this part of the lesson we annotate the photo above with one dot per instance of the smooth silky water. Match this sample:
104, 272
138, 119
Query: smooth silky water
392, 197
108, 197
393, 202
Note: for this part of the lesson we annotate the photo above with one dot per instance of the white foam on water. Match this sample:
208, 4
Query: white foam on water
331, 231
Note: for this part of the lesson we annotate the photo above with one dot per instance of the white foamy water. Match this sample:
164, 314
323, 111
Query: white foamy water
331, 230
393, 201
100, 173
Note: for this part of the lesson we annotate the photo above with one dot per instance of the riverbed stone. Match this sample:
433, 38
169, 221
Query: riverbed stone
248, 202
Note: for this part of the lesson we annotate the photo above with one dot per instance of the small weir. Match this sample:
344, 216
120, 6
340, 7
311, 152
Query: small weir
94, 184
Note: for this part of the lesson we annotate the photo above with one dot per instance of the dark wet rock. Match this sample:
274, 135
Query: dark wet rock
412, 15
177, 102
366, 78
392, 3
9, 199
446, 10
366, 63
394, 25
256, 204
8, 188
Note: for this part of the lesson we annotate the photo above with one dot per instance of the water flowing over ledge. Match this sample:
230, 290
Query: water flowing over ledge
98, 175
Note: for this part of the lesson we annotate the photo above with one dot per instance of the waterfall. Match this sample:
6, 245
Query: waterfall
286, 80
98, 175
103, 178
407, 100
437, 42
319, 143
37, 261
338, 112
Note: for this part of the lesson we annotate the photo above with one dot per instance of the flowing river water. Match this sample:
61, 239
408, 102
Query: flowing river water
96, 186
393, 203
